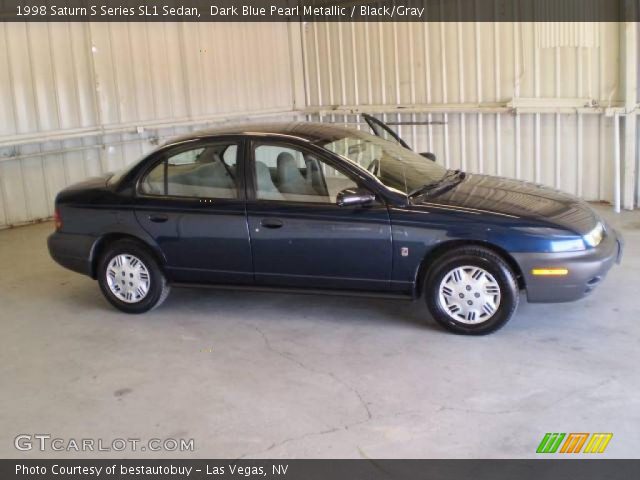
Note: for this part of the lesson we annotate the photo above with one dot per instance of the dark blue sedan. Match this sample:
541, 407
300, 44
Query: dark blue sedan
322, 208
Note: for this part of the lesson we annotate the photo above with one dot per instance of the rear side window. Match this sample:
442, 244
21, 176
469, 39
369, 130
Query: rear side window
204, 172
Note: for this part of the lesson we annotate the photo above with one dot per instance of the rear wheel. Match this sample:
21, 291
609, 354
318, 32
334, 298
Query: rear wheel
471, 290
130, 277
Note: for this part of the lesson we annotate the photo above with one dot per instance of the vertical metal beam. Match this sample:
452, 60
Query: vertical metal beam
427, 73
537, 175
14, 97
32, 76
579, 155
638, 167
443, 66
579, 120
354, 56
148, 46
11, 86
95, 90
603, 156
383, 73
204, 83
3, 200
367, 47
536, 80
630, 66
316, 50
479, 124
343, 74
396, 69
329, 64
517, 78
463, 117
165, 46
298, 70
558, 151
616, 164
305, 62
54, 77
517, 148
412, 78
558, 144
356, 78
517, 73
183, 70
496, 65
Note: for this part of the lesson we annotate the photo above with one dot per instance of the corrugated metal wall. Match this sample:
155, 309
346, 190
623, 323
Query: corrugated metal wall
99, 95
77, 99
472, 71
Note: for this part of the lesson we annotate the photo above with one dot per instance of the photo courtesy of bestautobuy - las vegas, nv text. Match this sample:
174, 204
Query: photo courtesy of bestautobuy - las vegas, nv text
319, 239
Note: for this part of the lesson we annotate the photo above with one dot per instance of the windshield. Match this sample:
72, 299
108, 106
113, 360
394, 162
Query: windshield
396, 167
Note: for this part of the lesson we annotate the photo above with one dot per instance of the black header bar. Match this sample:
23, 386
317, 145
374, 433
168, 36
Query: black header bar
319, 10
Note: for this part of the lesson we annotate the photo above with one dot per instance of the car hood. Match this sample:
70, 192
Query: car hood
519, 199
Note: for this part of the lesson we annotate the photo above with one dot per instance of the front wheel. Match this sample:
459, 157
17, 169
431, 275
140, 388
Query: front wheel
130, 277
471, 290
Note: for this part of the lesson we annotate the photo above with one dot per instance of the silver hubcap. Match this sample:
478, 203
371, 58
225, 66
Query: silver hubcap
128, 278
469, 295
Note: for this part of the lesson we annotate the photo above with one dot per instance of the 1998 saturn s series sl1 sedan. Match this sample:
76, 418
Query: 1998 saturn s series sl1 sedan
319, 207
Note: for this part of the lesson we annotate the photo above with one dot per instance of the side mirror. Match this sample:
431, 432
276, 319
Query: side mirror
429, 156
351, 197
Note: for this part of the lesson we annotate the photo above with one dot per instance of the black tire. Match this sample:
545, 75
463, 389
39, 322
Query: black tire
473, 256
158, 288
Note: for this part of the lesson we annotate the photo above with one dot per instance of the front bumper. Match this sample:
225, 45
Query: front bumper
71, 251
586, 270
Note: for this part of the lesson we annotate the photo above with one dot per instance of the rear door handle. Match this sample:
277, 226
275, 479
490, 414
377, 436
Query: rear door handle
158, 218
271, 223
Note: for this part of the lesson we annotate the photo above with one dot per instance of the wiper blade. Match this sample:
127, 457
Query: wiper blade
425, 189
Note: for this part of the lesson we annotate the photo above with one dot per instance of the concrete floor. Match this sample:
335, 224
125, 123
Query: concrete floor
290, 376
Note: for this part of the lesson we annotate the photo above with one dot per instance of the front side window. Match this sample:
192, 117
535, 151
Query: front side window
289, 174
204, 172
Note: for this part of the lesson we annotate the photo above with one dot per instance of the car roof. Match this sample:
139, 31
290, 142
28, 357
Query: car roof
306, 131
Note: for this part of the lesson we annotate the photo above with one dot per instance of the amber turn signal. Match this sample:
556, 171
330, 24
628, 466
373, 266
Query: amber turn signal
550, 272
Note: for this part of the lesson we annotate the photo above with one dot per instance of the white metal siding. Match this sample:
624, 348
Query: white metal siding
467, 67
67, 87
78, 99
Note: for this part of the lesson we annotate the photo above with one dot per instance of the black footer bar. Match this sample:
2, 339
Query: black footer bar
556, 469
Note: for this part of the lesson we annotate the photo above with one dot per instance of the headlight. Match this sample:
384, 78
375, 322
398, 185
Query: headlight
595, 236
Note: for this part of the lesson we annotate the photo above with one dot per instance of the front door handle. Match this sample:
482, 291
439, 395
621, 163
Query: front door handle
271, 223
158, 218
